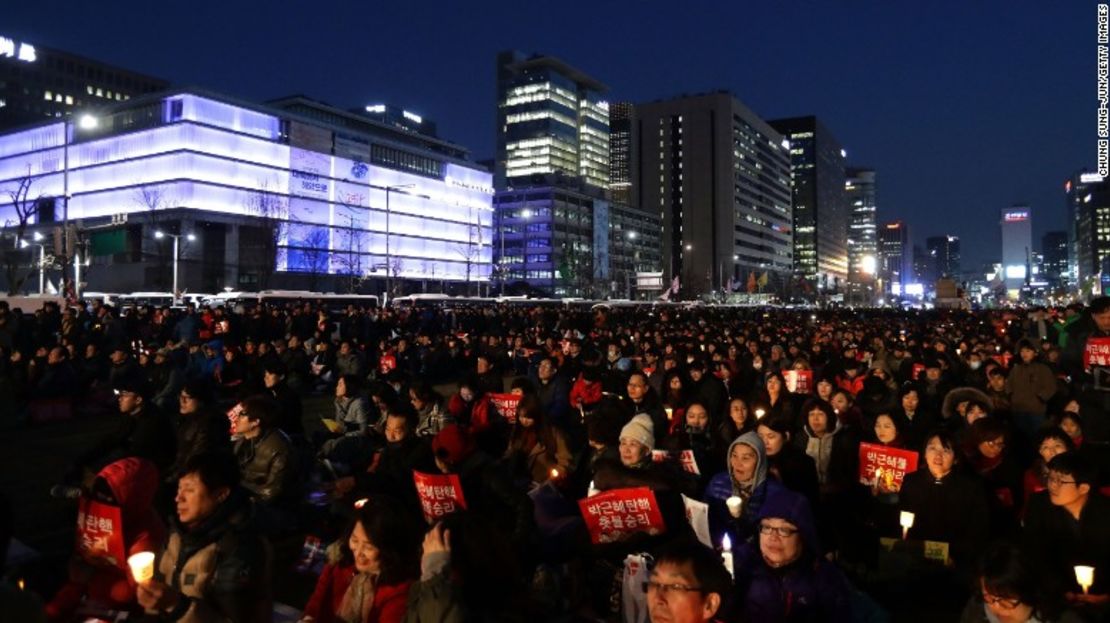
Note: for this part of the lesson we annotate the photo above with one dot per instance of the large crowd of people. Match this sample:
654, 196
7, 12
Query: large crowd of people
524, 463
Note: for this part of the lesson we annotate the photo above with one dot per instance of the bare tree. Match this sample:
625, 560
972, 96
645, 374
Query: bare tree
154, 200
396, 266
271, 213
315, 252
24, 210
349, 256
471, 250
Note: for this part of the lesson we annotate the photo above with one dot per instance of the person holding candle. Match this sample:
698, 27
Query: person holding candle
740, 419
535, 446
782, 576
773, 398
130, 484
215, 565
745, 477
1066, 525
948, 505
795, 469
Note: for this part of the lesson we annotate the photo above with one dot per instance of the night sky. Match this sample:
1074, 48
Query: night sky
962, 107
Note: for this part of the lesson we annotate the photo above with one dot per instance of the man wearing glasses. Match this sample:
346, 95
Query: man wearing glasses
1067, 525
687, 585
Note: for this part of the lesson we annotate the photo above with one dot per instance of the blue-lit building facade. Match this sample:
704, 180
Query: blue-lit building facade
294, 195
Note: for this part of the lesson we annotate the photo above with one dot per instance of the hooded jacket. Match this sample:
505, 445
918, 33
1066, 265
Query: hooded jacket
808, 589
836, 455
133, 483
723, 485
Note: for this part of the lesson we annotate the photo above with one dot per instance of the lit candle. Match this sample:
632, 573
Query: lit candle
735, 505
591, 491
554, 473
726, 555
142, 566
759, 413
670, 413
21, 584
906, 520
1085, 576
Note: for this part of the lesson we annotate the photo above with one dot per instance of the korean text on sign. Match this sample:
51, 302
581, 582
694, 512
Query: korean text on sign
439, 494
888, 464
614, 515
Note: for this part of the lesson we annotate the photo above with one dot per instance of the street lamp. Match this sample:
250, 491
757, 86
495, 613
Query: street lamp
23, 244
85, 122
190, 237
388, 268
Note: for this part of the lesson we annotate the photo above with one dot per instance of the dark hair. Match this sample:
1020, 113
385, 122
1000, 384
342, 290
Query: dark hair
198, 390
392, 529
709, 572
1100, 304
424, 392
1053, 432
819, 405
604, 426
275, 366
1006, 572
1068, 415
947, 441
778, 423
352, 384
987, 429
1075, 465
262, 408
217, 470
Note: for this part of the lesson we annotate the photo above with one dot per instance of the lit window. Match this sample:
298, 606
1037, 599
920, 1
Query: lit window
48, 96
89, 89
109, 95
69, 100
99, 92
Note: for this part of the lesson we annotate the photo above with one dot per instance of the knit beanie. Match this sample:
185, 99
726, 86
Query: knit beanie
640, 429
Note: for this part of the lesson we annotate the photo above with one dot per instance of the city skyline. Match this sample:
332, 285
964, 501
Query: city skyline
956, 107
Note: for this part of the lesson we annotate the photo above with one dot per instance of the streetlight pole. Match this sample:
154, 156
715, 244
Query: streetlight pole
176, 237
42, 260
388, 261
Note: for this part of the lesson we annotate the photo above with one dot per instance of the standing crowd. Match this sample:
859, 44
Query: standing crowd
798, 466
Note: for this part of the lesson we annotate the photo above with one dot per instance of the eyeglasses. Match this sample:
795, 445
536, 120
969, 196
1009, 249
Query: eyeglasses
996, 443
779, 531
667, 589
1057, 481
1007, 603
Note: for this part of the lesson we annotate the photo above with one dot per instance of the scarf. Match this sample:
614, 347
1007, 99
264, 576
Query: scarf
359, 598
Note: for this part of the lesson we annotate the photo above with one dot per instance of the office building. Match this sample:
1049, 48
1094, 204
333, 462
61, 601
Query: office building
564, 238
821, 212
622, 151
863, 243
551, 118
1088, 203
1017, 244
719, 177
273, 198
1054, 251
38, 83
944, 252
895, 259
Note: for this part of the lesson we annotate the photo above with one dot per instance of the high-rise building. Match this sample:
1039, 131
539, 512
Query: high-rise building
821, 212
1088, 202
922, 265
895, 259
859, 188
621, 151
945, 254
1054, 250
551, 118
1017, 244
39, 83
719, 177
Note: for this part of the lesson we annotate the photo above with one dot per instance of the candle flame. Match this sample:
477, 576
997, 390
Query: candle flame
554, 473
759, 413
21, 583
726, 544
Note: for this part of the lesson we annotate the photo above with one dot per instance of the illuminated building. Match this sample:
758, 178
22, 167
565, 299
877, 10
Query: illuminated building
719, 177
275, 198
1054, 251
1017, 244
38, 83
863, 246
895, 259
622, 151
551, 118
821, 211
1088, 203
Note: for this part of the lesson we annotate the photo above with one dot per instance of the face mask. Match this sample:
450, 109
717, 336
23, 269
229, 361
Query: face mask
975, 364
757, 365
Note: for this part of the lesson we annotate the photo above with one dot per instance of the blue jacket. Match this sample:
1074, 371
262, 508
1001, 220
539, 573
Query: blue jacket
809, 589
722, 486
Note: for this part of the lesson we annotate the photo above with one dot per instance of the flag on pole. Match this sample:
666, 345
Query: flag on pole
751, 281
763, 280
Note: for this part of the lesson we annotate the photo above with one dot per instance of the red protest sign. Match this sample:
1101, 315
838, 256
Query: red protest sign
917, 369
615, 514
506, 405
100, 532
440, 494
889, 464
798, 381
387, 364
1096, 353
688, 462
